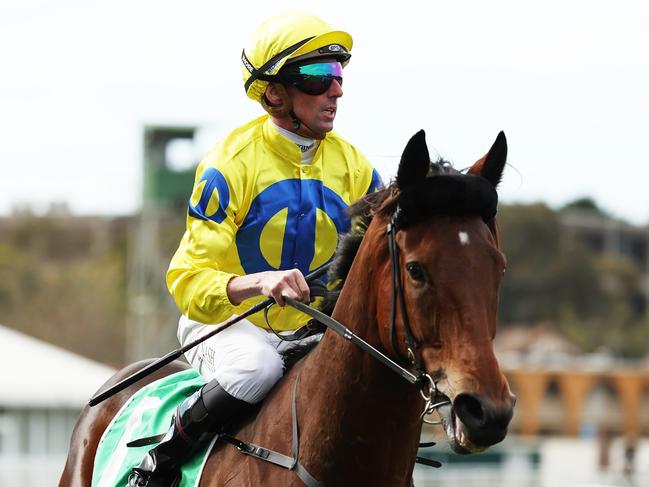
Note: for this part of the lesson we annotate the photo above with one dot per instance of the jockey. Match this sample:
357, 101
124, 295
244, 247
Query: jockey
267, 206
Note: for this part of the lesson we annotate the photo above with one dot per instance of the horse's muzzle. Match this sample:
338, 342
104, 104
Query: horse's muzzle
483, 423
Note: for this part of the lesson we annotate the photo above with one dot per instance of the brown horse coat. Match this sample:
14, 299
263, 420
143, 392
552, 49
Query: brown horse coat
359, 421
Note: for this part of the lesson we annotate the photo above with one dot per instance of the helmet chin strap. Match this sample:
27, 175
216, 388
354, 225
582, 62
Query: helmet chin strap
303, 129
285, 111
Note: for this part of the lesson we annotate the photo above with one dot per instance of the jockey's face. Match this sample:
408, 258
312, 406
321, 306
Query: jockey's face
316, 111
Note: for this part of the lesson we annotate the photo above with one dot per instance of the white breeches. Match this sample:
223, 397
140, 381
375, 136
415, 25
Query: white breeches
244, 358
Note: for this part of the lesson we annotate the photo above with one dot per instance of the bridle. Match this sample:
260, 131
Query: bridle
422, 380
397, 295
459, 193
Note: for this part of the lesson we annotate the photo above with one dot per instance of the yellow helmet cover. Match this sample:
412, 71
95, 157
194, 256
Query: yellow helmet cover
288, 37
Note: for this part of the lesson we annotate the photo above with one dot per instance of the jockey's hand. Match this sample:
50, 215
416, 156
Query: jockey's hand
274, 284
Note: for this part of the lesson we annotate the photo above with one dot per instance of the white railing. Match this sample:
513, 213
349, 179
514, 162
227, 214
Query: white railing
32, 471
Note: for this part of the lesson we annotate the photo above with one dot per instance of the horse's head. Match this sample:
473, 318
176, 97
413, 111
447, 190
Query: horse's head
450, 269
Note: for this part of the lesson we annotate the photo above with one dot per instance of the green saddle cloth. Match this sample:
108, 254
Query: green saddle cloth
147, 413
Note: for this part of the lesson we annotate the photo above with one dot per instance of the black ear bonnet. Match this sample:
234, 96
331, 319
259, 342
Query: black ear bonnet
454, 194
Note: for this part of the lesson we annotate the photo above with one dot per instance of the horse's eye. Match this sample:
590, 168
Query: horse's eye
417, 271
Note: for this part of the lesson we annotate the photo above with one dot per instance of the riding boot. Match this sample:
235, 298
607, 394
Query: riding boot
208, 410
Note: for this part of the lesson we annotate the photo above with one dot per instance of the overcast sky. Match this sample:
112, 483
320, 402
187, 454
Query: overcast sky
566, 80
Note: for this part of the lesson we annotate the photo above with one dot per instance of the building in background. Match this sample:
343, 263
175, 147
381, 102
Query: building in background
43, 389
611, 236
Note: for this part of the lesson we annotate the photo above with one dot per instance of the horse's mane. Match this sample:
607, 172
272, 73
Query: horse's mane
381, 202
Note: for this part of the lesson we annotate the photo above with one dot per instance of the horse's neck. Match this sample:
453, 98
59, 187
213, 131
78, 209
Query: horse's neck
361, 416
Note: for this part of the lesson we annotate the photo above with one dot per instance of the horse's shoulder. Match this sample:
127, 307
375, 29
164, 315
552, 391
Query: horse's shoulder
272, 419
268, 426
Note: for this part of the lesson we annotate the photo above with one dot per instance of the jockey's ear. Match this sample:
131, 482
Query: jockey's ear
415, 161
491, 165
276, 101
272, 94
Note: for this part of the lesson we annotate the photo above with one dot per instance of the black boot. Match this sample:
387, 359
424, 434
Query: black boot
208, 410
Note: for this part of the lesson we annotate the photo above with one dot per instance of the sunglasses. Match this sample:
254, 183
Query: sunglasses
313, 79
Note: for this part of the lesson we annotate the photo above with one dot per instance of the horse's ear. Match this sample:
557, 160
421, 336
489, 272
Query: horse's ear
492, 164
415, 161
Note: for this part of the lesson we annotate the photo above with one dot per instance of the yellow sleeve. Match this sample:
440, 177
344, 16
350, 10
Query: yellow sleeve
196, 278
367, 179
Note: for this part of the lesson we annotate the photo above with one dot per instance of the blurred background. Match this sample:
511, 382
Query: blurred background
106, 108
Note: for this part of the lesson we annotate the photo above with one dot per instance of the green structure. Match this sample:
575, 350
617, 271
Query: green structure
163, 186
155, 232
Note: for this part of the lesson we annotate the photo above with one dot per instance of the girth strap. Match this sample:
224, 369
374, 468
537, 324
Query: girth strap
290, 463
278, 458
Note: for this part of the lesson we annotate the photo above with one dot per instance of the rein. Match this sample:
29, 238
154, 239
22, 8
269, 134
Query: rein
422, 380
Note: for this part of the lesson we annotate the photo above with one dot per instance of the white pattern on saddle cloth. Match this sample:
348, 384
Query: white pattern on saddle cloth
147, 413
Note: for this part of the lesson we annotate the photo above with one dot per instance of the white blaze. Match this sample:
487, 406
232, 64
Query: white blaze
464, 238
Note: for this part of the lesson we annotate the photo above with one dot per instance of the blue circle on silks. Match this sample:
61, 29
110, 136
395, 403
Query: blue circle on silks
298, 245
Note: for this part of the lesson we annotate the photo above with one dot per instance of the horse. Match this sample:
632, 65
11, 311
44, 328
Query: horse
359, 422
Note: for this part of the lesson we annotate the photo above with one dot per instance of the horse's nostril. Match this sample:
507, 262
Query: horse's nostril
470, 410
484, 423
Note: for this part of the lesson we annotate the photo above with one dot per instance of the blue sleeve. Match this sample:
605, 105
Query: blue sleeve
376, 182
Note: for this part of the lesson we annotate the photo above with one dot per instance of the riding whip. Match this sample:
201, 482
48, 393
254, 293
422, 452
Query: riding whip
171, 356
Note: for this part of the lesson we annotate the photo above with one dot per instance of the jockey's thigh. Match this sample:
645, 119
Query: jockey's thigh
243, 358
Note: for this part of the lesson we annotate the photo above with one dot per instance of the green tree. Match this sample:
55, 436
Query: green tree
54, 287
554, 277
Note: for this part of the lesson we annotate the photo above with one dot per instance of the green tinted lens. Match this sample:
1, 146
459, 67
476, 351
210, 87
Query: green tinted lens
314, 79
